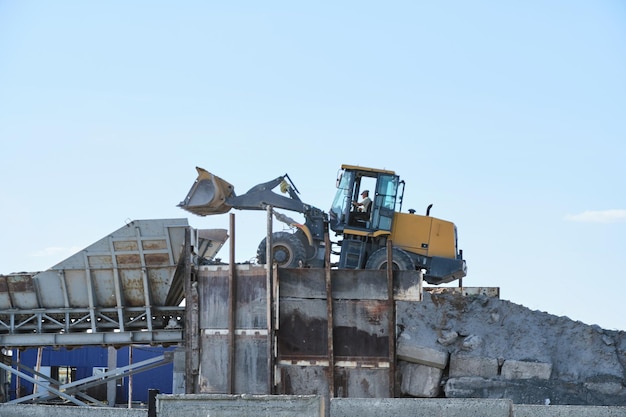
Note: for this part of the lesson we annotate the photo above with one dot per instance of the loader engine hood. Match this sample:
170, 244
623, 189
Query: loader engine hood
208, 195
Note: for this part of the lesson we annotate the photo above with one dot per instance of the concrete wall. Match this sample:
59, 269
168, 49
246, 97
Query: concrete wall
27, 410
201, 405
567, 411
391, 407
461, 407
244, 405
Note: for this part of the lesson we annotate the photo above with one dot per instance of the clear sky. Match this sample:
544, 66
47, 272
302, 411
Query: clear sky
508, 116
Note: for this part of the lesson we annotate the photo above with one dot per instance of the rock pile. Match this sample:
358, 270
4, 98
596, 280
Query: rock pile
460, 345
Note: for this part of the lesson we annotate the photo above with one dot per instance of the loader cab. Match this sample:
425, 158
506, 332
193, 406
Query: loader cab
383, 187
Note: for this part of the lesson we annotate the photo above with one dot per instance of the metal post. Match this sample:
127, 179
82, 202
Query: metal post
18, 382
112, 384
391, 321
130, 377
232, 301
329, 317
269, 263
191, 320
152, 393
38, 368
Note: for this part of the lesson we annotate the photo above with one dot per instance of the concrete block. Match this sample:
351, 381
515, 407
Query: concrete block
607, 388
421, 380
32, 410
419, 407
465, 365
224, 405
512, 369
567, 411
411, 352
472, 387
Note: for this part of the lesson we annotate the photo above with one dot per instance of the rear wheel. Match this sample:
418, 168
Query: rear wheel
400, 260
287, 250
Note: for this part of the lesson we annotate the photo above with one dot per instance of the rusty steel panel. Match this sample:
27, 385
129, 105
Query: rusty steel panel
249, 369
52, 289
361, 382
125, 245
22, 291
360, 354
77, 288
132, 287
250, 304
104, 287
350, 284
355, 363
251, 372
5, 298
213, 372
360, 330
213, 299
302, 330
304, 380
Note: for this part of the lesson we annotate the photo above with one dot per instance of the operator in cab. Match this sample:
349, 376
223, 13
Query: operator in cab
363, 205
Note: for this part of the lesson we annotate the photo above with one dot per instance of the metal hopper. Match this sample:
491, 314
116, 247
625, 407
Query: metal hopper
130, 280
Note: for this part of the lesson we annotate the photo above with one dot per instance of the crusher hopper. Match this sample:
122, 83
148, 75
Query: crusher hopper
125, 288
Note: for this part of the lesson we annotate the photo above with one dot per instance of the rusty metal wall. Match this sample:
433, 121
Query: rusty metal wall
233, 363
354, 357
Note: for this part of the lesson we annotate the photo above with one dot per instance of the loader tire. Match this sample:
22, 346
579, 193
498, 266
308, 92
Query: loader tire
400, 260
310, 251
287, 250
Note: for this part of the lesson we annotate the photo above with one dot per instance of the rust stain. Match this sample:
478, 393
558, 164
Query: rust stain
375, 312
125, 245
157, 259
126, 260
99, 260
154, 244
21, 283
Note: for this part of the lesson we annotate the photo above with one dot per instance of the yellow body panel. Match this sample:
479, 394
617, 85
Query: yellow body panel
428, 236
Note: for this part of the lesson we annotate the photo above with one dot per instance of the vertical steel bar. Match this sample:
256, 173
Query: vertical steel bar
391, 321
117, 286
111, 384
18, 382
130, 377
232, 302
191, 330
90, 294
37, 368
145, 280
269, 263
329, 317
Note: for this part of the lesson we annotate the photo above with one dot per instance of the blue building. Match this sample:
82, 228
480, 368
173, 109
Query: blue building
70, 365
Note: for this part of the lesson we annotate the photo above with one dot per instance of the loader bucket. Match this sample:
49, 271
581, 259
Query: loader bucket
208, 195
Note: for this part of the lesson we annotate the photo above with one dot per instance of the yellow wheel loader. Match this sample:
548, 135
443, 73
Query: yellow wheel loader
419, 241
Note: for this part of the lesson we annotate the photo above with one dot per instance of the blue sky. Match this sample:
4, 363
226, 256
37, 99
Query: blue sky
507, 116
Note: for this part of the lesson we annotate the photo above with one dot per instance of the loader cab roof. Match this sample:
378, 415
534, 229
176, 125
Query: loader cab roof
373, 171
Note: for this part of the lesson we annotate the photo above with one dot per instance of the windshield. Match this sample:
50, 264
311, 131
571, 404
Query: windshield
341, 202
